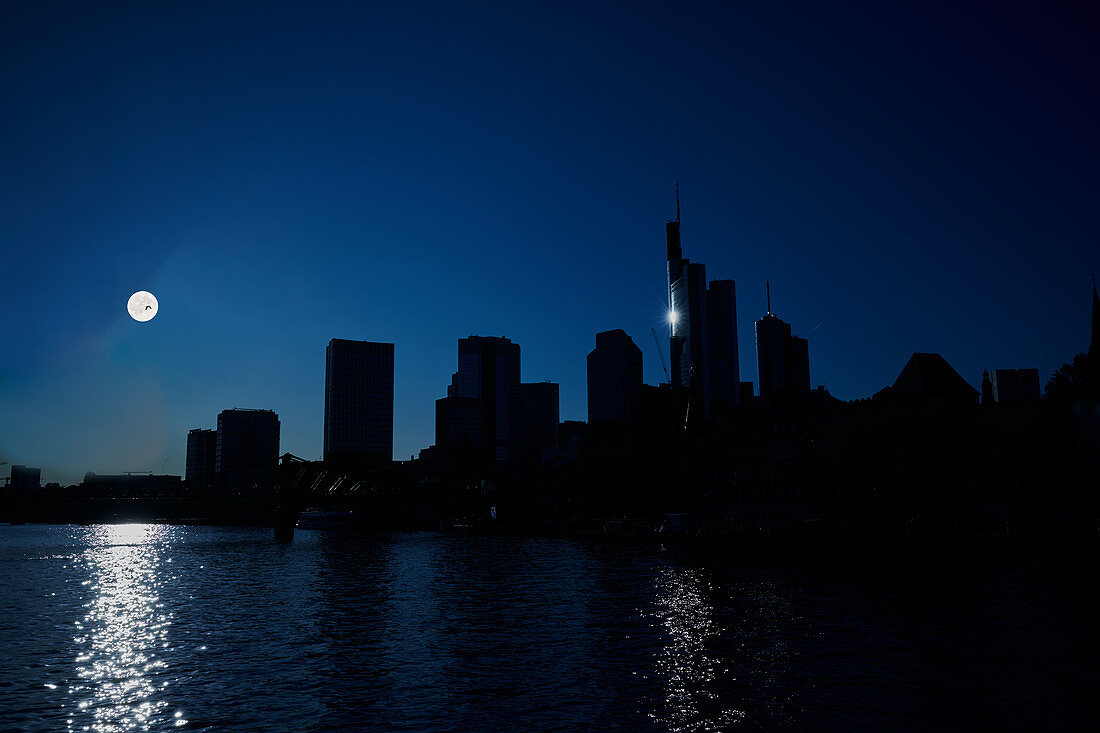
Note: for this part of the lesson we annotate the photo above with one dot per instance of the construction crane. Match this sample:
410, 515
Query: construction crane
657, 343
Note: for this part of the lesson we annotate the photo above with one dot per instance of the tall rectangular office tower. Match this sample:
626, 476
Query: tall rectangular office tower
246, 449
359, 398
539, 414
783, 360
725, 372
614, 377
488, 372
202, 452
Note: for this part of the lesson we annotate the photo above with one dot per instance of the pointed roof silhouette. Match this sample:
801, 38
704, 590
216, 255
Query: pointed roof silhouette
929, 375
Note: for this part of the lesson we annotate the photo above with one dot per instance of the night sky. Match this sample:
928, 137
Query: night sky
908, 179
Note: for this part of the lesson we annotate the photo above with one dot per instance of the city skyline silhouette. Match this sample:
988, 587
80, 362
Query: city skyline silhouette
337, 173
549, 366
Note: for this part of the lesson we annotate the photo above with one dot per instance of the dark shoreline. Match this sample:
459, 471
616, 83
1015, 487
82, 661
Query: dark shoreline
864, 546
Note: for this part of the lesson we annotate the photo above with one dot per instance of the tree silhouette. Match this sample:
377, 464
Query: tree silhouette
1076, 380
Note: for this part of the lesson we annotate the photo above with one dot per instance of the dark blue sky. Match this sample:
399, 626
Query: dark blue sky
909, 179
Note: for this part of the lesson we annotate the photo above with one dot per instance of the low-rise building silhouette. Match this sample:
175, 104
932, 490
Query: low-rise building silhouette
571, 435
133, 485
24, 478
1015, 385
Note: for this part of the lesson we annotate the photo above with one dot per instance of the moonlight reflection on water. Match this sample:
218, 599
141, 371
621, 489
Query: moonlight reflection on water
690, 670
129, 628
120, 639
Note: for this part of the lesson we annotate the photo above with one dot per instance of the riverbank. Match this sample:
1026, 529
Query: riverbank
868, 546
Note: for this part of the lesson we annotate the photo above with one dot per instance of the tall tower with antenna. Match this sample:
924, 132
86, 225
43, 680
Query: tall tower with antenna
702, 331
782, 359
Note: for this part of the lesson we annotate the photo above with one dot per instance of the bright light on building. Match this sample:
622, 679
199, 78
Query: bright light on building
673, 317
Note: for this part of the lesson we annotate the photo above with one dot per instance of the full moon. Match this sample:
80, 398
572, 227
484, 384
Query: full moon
142, 306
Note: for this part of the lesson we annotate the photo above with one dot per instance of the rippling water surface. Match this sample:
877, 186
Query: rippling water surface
148, 627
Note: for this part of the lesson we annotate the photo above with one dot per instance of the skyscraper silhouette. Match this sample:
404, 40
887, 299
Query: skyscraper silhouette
488, 373
202, 448
359, 398
614, 376
538, 414
783, 360
247, 449
725, 372
703, 341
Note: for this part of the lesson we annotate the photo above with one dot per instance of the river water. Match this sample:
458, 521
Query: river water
150, 627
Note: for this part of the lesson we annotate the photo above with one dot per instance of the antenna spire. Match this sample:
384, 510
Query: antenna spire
768, 290
678, 205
